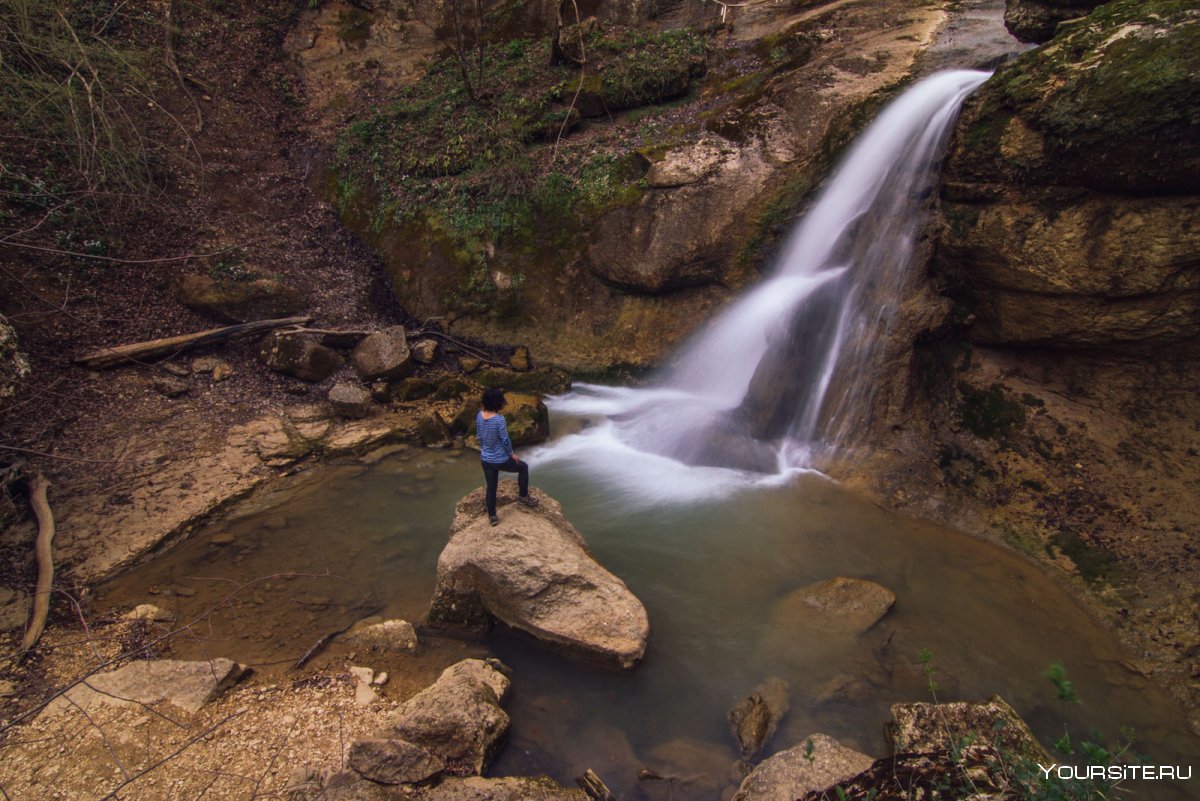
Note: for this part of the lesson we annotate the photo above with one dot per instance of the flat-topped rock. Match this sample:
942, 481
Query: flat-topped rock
534, 572
187, 685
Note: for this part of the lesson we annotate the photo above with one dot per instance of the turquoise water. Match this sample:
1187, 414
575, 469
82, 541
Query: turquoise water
709, 571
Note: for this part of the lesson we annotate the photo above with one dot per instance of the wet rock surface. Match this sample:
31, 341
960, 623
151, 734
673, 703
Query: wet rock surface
534, 573
754, 719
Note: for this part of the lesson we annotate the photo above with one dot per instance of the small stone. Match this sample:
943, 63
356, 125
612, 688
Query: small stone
170, 387
519, 361
222, 539
149, 612
380, 679
350, 400
221, 372
425, 351
177, 370
364, 695
468, 364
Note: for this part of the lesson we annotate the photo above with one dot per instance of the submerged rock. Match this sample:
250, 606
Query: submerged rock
534, 573
753, 719
839, 604
817, 763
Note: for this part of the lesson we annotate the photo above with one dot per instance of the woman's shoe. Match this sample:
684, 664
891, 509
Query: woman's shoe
527, 500
495, 521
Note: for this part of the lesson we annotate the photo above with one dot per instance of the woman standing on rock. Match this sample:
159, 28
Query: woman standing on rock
496, 452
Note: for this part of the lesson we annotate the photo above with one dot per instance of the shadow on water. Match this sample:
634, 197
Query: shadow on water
711, 573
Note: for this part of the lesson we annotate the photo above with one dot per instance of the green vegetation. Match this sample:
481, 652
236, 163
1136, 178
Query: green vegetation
1121, 89
494, 170
75, 83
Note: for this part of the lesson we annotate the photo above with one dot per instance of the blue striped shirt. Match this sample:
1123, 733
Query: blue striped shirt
492, 433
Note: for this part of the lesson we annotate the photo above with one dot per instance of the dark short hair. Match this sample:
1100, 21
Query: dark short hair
493, 399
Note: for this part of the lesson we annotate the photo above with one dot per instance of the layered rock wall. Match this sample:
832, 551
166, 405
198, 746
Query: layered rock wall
1072, 191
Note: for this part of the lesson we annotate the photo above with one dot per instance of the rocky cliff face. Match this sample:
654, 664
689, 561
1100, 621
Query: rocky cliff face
661, 198
1072, 193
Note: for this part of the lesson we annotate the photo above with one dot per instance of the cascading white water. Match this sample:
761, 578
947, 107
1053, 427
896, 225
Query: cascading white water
785, 369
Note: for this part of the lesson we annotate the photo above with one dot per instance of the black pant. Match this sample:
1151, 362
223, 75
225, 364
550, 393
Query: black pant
491, 473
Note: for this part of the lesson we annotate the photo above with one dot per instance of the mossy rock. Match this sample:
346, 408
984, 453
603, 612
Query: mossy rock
1111, 103
413, 389
451, 387
525, 415
546, 380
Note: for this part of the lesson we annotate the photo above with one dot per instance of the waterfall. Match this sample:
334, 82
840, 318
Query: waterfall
782, 374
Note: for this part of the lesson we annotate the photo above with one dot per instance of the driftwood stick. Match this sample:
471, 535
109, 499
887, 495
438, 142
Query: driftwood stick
45, 561
596, 789
111, 357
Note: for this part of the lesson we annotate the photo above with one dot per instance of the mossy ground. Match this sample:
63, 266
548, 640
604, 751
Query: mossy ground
502, 170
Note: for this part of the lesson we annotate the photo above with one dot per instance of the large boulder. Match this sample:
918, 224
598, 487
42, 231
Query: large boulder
187, 685
534, 573
542, 380
817, 763
457, 719
1069, 200
299, 355
383, 354
237, 301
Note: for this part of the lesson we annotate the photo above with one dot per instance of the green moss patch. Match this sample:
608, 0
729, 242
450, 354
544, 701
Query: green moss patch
990, 413
497, 171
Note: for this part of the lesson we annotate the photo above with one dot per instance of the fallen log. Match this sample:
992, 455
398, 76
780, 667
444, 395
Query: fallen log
45, 561
111, 357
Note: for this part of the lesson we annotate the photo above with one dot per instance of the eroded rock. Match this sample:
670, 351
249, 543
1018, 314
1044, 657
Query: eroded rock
458, 719
534, 573
393, 761
1069, 194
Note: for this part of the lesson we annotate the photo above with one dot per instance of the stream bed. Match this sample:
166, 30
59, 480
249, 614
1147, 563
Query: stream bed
357, 540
